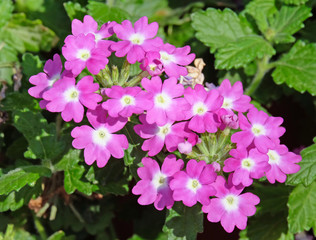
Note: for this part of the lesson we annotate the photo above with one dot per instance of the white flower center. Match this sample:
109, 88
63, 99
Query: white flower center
101, 136
228, 103
193, 185
83, 54
162, 100
230, 202
71, 95
97, 37
199, 108
247, 163
258, 129
159, 180
166, 58
127, 100
137, 39
274, 157
164, 130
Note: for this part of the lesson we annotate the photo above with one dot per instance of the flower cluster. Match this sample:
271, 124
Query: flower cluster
193, 120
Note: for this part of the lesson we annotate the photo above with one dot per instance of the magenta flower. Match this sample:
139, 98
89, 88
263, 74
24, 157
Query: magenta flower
263, 131
167, 106
126, 101
169, 134
246, 166
44, 81
154, 184
203, 106
89, 25
82, 51
67, 97
194, 184
230, 208
137, 40
152, 64
233, 97
282, 162
174, 58
99, 143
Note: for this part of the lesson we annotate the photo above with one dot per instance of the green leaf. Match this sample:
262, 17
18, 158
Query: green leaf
19, 177
16, 200
294, 2
73, 173
8, 62
270, 219
31, 65
216, 28
41, 136
57, 236
19, 101
302, 208
6, 8
29, 5
307, 174
297, 68
287, 22
261, 11
242, 52
23, 35
103, 13
183, 222
75, 10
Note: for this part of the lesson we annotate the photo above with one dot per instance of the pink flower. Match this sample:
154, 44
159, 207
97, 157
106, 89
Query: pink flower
99, 142
282, 162
137, 40
203, 106
67, 97
263, 131
174, 58
44, 81
233, 97
167, 106
126, 101
230, 208
157, 136
154, 184
89, 25
152, 64
82, 51
230, 121
194, 184
246, 166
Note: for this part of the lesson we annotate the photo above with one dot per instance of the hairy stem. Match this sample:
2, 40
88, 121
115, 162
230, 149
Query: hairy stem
263, 67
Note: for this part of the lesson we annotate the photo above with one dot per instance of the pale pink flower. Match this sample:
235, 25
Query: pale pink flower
204, 104
168, 105
99, 141
68, 98
126, 101
154, 184
82, 51
173, 59
282, 162
230, 207
246, 166
44, 81
137, 40
263, 131
194, 184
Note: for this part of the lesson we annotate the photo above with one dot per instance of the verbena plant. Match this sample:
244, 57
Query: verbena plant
118, 112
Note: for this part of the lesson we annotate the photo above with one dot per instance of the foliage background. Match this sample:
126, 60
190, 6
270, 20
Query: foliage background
46, 190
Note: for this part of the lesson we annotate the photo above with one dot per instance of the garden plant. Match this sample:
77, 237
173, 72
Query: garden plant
157, 119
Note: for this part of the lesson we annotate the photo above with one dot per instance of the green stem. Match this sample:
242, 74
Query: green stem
39, 227
263, 67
